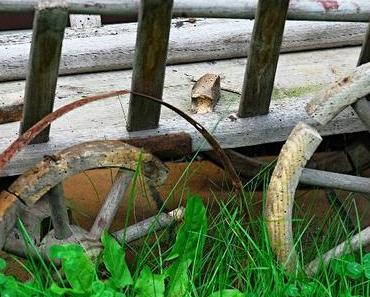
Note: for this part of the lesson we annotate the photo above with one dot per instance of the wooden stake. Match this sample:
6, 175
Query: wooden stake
48, 30
150, 63
263, 57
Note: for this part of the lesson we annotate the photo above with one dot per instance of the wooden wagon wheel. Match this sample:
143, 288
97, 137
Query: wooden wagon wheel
38, 194
298, 149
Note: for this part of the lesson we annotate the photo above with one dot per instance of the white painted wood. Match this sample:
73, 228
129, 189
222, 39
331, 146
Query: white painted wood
345, 91
83, 21
353, 10
298, 74
112, 47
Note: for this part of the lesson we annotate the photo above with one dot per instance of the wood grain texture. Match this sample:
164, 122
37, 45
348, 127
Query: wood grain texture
346, 10
9, 208
112, 47
297, 150
151, 224
48, 29
109, 209
344, 92
362, 105
59, 212
338, 181
263, 55
82, 21
299, 76
150, 63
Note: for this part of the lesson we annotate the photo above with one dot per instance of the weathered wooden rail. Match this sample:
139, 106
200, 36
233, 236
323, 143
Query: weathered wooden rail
344, 10
149, 71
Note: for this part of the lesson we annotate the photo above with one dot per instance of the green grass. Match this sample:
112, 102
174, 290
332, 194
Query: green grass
215, 253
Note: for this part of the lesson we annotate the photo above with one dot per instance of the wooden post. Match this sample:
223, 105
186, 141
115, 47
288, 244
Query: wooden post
362, 106
59, 213
263, 57
150, 63
48, 30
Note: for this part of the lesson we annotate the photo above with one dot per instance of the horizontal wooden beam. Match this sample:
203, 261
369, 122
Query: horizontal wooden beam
112, 47
299, 76
242, 132
339, 10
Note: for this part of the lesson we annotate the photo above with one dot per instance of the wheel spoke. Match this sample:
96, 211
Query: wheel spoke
335, 180
109, 209
155, 223
58, 212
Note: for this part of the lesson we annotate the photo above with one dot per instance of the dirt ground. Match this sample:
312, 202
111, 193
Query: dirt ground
86, 192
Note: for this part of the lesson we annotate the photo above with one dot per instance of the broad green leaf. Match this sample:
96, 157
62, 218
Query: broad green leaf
188, 247
354, 270
65, 251
2, 264
98, 287
366, 265
58, 291
339, 265
191, 236
3, 279
292, 291
227, 293
149, 284
10, 288
80, 272
114, 260
179, 279
77, 266
308, 289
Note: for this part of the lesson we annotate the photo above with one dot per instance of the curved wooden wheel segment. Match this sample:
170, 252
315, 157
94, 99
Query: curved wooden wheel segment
298, 149
38, 194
